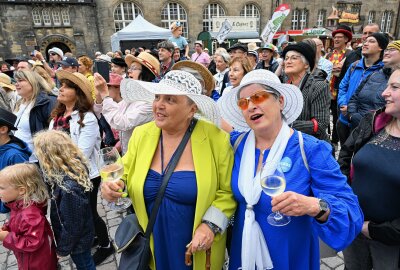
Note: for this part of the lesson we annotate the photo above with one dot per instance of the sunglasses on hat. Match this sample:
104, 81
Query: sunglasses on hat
256, 99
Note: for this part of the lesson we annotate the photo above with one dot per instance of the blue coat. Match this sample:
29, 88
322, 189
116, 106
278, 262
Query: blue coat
13, 152
351, 80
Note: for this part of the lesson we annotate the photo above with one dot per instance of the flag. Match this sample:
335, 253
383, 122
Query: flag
273, 25
226, 27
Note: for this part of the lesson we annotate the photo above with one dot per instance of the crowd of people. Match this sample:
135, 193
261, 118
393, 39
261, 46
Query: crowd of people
249, 111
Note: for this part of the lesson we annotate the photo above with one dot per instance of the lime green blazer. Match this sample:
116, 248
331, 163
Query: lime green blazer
213, 160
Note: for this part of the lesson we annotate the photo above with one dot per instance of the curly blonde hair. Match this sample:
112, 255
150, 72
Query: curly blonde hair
58, 157
27, 176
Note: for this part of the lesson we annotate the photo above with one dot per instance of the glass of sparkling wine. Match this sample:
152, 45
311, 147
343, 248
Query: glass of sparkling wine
274, 183
112, 169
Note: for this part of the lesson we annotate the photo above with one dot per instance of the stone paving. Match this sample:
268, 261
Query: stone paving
112, 219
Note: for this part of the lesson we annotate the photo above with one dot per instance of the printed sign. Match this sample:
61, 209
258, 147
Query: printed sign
226, 27
239, 24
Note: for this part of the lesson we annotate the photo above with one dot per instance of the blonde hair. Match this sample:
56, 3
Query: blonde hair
27, 176
43, 73
38, 84
58, 157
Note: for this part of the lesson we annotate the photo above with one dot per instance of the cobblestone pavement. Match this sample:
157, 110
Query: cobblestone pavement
112, 219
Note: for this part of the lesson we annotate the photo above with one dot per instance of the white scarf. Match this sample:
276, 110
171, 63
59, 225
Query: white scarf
254, 247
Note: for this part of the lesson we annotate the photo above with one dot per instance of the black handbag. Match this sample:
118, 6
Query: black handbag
130, 241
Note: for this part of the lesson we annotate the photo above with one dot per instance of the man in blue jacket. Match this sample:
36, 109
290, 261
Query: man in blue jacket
372, 52
12, 149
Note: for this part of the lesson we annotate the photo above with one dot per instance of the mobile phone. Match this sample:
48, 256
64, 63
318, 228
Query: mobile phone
103, 68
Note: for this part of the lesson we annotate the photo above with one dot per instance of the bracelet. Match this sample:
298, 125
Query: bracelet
315, 123
215, 229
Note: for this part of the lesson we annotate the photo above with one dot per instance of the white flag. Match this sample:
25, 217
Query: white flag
273, 25
226, 27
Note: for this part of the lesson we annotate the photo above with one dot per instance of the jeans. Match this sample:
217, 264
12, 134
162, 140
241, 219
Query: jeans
83, 261
368, 254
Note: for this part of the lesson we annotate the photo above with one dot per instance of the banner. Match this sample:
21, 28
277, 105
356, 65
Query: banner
273, 25
239, 23
226, 27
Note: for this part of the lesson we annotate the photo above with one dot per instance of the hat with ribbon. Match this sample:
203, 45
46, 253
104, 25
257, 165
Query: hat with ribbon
146, 60
79, 79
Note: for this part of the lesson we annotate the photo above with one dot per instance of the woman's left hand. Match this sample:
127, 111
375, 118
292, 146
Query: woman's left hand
293, 204
203, 238
365, 230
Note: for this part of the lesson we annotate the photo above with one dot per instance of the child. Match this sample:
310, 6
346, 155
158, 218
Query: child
27, 233
12, 149
176, 29
65, 169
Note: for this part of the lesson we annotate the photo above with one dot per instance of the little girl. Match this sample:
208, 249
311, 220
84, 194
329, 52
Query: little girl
65, 169
27, 233
176, 30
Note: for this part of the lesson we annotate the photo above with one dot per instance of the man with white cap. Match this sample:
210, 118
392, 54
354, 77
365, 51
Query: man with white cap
199, 56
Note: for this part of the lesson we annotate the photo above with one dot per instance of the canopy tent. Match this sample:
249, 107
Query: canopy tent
139, 29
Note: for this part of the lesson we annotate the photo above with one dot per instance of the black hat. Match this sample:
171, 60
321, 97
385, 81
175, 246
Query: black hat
7, 119
119, 62
382, 39
239, 46
306, 50
345, 30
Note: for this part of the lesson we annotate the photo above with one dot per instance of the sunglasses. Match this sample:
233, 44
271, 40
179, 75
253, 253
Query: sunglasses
256, 99
53, 53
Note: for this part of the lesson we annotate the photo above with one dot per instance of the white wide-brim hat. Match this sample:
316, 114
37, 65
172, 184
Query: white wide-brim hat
175, 82
232, 114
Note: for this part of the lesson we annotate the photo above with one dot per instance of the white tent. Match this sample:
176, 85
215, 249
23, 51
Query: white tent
138, 29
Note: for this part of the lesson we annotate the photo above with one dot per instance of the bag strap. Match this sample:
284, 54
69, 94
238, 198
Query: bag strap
238, 141
167, 175
303, 153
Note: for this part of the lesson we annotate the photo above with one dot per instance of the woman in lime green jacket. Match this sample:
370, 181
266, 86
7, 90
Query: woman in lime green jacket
198, 199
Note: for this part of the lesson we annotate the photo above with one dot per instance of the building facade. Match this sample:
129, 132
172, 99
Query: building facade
85, 26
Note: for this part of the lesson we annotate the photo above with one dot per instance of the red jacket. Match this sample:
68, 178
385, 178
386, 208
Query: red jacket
30, 237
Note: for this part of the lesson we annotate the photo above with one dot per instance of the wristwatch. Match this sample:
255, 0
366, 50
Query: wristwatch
212, 226
323, 208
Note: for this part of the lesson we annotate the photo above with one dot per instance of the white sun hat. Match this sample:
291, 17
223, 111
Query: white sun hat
175, 82
292, 97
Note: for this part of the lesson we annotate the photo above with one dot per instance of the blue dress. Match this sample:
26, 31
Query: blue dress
173, 228
295, 246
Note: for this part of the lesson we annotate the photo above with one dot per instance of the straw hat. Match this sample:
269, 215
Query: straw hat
78, 79
5, 81
208, 78
252, 46
175, 82
145, 59
231, 113
175, 26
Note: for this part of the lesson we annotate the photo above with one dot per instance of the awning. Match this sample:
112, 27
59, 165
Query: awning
238, 35
256, 40
304, 32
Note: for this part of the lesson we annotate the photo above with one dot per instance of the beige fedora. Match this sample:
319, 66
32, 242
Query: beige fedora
5, 81
145, 59
78, 79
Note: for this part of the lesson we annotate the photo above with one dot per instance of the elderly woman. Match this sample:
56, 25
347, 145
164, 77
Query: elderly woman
204, 167
222, 60
34, 107
238, 67
74, 115
317, 197
299, 61
373, 149
122, 115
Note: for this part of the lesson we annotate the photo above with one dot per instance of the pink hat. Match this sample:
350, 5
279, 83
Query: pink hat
115, 79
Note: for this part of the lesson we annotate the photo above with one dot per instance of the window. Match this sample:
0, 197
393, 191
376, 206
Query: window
46, 16
173, 12
37, 17
65, 16
386, 21
124, 13
371, 17
56, 16
251, 11
295, 19
355, 8
303, 19
211, 11
321, 18
341, 6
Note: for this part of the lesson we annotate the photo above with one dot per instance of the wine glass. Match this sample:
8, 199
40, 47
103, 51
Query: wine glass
273, 183
111, 170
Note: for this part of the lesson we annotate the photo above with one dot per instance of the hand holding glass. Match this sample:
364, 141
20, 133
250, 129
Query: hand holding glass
274, 184
111, 170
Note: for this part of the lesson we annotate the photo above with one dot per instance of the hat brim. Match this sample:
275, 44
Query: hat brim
8, 124
208, 78
9, 86
348, 34
232, 114
78, 80
129, 59
135, 90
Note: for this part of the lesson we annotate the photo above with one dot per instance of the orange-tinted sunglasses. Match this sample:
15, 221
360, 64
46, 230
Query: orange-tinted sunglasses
256, 99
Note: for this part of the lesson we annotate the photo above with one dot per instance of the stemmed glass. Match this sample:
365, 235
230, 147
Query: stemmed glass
111, 170
274, 183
